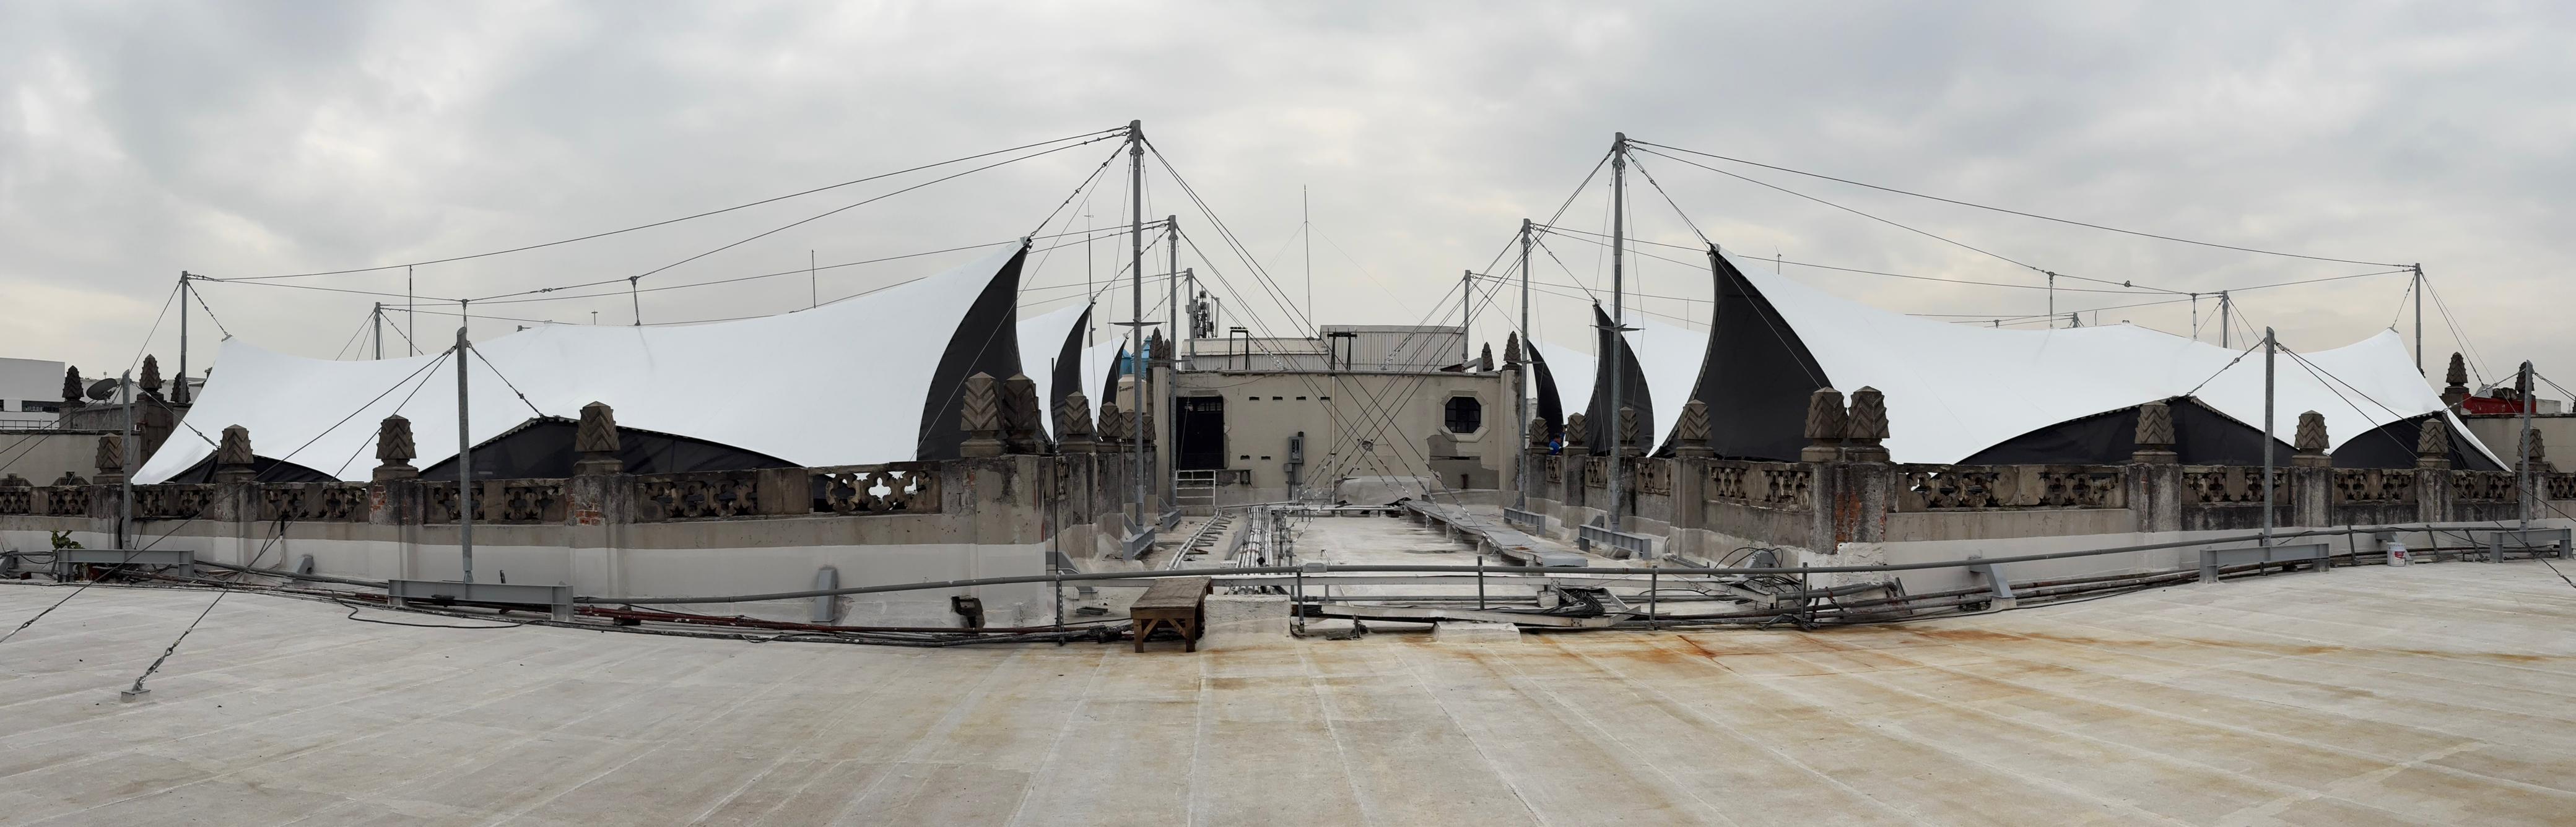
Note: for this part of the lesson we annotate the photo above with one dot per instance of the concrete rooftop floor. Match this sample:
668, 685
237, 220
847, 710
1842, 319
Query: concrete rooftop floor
2429, 694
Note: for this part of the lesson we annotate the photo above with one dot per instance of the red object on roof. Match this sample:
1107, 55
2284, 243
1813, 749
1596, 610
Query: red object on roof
2490, 405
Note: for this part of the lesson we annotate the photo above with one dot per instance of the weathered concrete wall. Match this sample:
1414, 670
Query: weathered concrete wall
42, 456
1971, 525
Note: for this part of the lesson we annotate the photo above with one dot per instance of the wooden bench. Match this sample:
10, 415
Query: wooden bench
1176, 602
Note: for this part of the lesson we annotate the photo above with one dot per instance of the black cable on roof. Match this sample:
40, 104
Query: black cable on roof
2018, 212
1119, 129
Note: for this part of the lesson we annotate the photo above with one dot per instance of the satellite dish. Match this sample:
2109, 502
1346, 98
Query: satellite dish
102, 390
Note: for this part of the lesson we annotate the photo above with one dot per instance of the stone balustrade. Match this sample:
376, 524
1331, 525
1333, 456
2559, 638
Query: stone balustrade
1844, 489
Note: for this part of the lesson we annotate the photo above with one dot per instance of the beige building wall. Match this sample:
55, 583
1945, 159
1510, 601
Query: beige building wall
2503, 435
1361, 425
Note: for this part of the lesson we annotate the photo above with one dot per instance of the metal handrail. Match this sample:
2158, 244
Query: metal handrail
1649, 570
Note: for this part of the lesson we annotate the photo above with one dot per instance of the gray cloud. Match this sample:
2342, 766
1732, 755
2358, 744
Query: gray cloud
139, 140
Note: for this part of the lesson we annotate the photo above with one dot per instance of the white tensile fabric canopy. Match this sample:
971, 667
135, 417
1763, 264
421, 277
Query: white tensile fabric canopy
1954, 390
844, 383
1099, 363
1573, 371
1669, 356
1042, 341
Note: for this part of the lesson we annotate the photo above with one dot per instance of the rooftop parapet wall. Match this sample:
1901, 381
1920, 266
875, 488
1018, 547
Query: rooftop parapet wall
1843, 495
1019, 495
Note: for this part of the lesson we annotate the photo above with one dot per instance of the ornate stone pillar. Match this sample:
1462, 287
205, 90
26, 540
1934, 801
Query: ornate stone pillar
2311, 474
153, 421
2433, 469
980, 416
233, 456
596, 438
1020, 431
2311, 442
2154, 477
1690, 435
1073, 424
1574, 429
236, 499
1113, 427
2154, 440
2433, 444
1825, 421
73, 396
2455, 382
110, 460
1865, 427
394, 450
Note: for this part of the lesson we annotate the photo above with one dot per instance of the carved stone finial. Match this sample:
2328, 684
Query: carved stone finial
151, 381
980, 416
2456, 381
1538, 432
1020, 415
15, 481
1826, 420
2154, 440
1690, 435
74, 391
1158, 348
394, 450
2311, 442
2433, 443
1073, 424
233, 456
1113, 424
2538, 452
69, 479
1574, 430
1485, 361
1628, 427
1512, 348
1865, 427
597, 440
111, 459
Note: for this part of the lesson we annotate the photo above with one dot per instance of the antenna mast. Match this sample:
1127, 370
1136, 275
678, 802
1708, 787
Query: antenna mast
1618, 316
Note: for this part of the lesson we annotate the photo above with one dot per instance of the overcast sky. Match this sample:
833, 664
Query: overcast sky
240, 139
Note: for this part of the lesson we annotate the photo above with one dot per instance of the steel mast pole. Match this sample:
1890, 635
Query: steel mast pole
380, 330
1520, 382
1618, 313
2270, 345
2224, 318
2525, 485
2419, 318
464, 463
1170, 454
179, 394
125, 483
1466, 315
1136, 298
